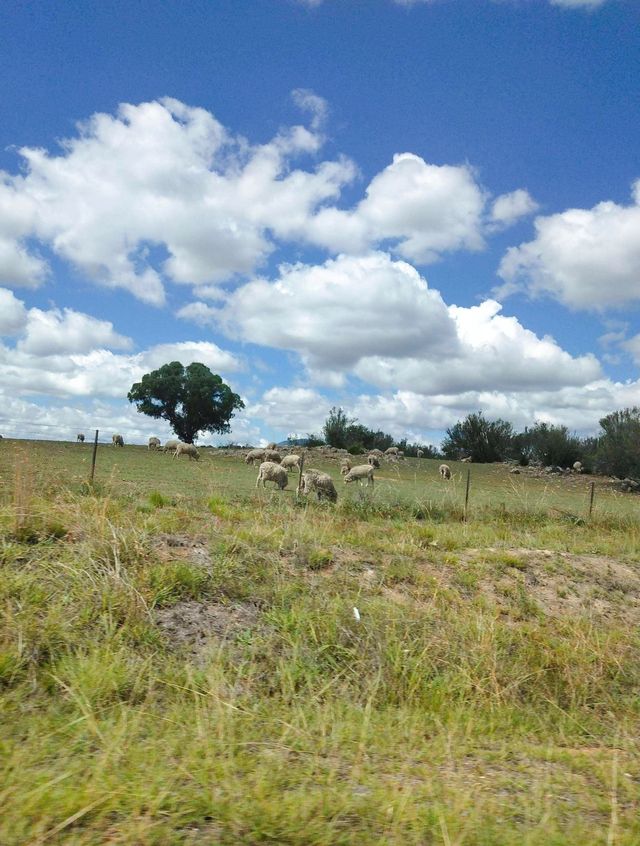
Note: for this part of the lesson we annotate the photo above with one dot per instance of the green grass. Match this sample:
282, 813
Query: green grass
487, 695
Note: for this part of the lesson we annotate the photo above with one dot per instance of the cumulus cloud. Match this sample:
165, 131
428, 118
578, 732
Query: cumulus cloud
509, 208
423, 209
377, 318
162, 192
339, 312
585, 258
290, 409
13, 314
67, 353
578, 4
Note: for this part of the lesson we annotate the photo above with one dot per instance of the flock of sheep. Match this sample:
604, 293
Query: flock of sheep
275, 468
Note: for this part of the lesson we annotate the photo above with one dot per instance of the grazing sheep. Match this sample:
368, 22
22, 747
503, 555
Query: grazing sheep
254, 455
117, 440
187, 449
271, 446
345, 466
419, 453
377, 452
466, 460
290, 462
80, 438
392, 451
373, 460
170, 446
272, 472
445, 471
154, 443
577, 467
321, 483
360, 472
272, 455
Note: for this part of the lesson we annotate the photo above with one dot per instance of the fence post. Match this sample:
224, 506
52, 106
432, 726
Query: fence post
300, 476
466, 495
592, 485
93, 458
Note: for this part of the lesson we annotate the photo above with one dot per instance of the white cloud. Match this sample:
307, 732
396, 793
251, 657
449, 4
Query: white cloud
578, 4
290, 409
339, 312
423, 209
585, 258
67, 353
162, 192
56, 332
494, 352
13, 314
509, 208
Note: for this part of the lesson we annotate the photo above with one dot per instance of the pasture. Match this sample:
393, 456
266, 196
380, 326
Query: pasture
180, 661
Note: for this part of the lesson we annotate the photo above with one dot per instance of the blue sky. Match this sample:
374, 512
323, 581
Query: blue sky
413, 210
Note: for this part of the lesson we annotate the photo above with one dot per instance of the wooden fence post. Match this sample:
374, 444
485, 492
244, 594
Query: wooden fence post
93, 458
591, 495
466, 495
300, 476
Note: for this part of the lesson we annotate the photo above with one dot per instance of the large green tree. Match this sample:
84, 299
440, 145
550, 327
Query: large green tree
618, 446
192, 399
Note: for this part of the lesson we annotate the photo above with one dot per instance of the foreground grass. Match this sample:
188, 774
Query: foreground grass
466, 706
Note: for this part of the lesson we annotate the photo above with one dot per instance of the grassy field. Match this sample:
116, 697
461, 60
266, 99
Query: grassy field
180, 662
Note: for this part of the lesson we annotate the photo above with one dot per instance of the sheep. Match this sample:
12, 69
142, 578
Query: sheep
392, 451
577, 467
170, 446
466, 460
360, 472
80, 438
321, 483
187, 449
272, 455
445, 471
254, 455
271, 446
117, 440
419, 453
345, 466
373, 460
377, 452
272, 472
154, 443
290, 462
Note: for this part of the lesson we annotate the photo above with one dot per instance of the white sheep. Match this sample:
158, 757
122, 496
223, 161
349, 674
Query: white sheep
466, 460
272, 472
170, 446
117, 440
290, 462
271, 446
321, 483
445, 471
345, 466
80, 438
577, 467
187, 449
392, 451
154, 443
419, 453
373, 460
360, 472
254, 455
272, 455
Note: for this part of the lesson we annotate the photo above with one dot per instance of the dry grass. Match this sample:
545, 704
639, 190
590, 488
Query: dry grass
180, 662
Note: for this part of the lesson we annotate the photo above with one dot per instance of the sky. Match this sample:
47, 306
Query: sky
412, 209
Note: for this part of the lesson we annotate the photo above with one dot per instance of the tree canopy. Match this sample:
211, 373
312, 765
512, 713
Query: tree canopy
192, 399
481, 439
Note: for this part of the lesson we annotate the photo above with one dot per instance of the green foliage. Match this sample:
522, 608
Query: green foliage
192, 399
548, 444
481, 439
618, 449
345, 432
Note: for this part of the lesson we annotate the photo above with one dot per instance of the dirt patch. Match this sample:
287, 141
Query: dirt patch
184, 547
194, 625
562, 583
